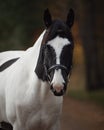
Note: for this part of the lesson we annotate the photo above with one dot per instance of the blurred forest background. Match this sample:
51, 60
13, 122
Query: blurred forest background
21, 22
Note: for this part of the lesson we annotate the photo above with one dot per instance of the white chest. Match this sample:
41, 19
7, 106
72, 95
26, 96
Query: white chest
40, 116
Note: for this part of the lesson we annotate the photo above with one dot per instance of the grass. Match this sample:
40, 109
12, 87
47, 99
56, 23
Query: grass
93, 96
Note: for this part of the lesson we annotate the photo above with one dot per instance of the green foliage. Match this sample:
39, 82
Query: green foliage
94, 96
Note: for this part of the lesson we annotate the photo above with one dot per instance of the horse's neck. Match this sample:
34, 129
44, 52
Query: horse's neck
31, 58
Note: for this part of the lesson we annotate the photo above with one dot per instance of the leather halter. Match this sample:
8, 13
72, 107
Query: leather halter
55, 67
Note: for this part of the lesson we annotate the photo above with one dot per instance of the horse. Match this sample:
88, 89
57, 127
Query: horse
33, 83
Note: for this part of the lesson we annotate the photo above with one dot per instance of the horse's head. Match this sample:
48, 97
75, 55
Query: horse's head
57, 51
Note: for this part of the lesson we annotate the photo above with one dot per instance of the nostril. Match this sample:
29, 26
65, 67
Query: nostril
58, 88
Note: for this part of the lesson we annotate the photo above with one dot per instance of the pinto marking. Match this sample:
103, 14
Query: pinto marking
58, 44
7, 64
32, 88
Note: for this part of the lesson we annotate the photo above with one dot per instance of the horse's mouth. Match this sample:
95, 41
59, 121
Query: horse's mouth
61, 93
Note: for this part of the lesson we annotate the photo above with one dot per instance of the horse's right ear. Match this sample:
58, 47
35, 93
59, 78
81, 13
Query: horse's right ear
70, 18
47, 18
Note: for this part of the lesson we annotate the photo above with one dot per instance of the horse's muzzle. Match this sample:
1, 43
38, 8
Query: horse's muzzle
58, 90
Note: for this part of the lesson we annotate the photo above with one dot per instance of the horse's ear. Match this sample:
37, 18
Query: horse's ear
47, 18
70, 18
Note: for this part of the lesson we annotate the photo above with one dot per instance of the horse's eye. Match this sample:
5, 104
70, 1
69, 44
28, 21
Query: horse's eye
48, 47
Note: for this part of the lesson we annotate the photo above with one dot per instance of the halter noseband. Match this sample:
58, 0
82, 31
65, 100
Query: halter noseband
56, 66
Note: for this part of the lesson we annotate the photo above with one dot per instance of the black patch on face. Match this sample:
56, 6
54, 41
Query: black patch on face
7, 64
66, 60
66, 56
47, 58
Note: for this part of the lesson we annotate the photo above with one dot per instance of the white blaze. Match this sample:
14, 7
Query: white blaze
57, 80
58, 43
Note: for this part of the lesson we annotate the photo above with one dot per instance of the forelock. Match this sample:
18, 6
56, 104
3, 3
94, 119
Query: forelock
58, 28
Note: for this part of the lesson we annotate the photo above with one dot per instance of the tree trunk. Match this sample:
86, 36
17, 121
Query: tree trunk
88, 24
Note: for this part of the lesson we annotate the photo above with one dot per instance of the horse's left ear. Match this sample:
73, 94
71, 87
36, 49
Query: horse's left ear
47, 18
70, 18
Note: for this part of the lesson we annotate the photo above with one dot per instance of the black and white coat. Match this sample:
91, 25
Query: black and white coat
32, 88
